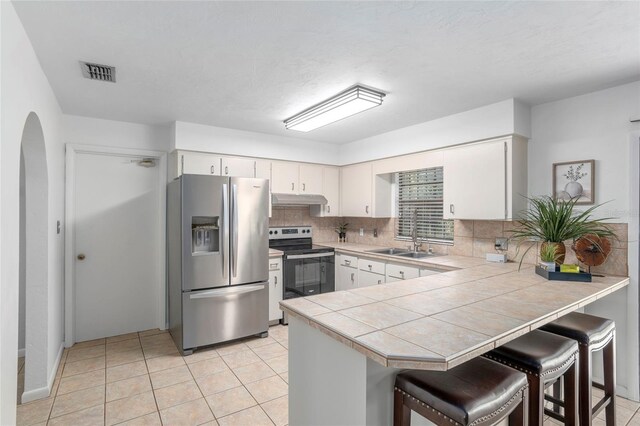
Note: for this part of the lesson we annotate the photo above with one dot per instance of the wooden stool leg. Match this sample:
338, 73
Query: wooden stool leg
585, 386
401, 413
609, 361
536, 401
557, 393
571, 387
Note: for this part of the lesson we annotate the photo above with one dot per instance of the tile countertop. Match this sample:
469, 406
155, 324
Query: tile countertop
444, 262
275, 253
440, 321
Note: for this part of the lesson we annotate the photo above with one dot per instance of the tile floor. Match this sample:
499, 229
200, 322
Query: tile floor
141, 379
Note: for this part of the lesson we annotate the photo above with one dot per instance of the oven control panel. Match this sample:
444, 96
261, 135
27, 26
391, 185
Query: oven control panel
289, 232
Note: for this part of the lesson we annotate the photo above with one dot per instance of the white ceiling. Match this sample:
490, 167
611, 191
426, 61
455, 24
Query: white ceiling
249, 65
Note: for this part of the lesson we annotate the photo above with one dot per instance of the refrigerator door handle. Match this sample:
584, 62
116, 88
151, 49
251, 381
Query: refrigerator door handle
224, 292
225, 230
234, 230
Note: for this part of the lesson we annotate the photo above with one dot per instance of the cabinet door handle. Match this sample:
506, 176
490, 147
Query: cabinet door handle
328, 209
347, 262
401, 273
304, 186
369, 267
352, 277
292, 186
182, 164
366, 209
213, 169
451, 208
226, 170
379, 281
273, 265
275, 280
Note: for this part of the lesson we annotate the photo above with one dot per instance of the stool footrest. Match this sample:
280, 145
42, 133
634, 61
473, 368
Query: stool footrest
601, 405
555, 415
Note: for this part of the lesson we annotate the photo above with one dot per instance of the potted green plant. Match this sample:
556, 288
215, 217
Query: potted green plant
553, 222
549, 257
342, 231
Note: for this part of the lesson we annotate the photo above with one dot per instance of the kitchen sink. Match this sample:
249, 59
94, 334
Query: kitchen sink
392, 251
417, 255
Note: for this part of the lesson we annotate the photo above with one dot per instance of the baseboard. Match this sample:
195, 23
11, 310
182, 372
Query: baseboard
21, 353
45, 391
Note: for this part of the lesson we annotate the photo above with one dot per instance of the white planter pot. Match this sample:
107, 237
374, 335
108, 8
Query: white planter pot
574, 189
549, 266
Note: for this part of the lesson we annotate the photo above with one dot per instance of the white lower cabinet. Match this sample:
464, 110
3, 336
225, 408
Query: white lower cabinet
275, 288
425, 271
366, 278
346, 272
401, 272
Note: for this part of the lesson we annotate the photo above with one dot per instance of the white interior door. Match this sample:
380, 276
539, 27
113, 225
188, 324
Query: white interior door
117, 242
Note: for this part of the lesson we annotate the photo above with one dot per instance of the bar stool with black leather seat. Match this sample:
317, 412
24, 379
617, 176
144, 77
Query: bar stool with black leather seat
545, 358
592, 334
478, 392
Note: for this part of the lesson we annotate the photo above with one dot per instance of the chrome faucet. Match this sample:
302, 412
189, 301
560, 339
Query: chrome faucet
414, 231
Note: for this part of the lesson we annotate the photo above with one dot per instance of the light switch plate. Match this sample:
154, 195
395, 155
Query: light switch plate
362, 232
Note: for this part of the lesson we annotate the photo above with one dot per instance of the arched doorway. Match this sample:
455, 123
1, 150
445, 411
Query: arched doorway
34, 258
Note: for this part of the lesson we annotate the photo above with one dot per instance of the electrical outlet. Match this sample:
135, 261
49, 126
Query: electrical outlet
375, 232
362, 232
502, 244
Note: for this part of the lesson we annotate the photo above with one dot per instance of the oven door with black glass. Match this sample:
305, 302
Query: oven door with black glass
308, 274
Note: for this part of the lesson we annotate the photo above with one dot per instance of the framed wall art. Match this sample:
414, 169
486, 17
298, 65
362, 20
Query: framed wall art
575, 179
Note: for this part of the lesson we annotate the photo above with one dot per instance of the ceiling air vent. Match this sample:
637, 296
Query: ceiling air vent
98, 72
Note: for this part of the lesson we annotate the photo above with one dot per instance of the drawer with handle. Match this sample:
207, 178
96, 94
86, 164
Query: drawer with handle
275, 264
346, 260
370, 265
403, 272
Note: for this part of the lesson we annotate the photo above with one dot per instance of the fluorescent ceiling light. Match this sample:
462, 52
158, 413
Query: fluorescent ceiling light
343, 105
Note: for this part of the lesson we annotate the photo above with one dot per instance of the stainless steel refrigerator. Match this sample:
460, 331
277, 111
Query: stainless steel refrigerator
218, 250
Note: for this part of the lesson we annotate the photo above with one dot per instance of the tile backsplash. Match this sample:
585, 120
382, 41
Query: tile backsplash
471, 237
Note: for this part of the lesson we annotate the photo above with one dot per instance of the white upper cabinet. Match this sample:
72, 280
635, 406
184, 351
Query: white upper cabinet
263, 171
193, 163
331, 191
238, 167
310, 179
284, 177
356, 194
485, 181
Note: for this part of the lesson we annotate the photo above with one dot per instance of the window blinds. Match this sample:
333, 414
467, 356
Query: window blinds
421, 191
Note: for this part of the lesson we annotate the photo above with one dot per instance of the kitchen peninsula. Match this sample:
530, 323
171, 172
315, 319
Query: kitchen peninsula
345, 348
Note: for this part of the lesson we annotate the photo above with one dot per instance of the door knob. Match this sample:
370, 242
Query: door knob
81, 256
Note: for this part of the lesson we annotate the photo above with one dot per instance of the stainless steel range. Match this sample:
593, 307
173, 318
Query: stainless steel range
308, 269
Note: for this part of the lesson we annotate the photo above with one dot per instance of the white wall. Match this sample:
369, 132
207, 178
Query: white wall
499, 119
25, 89
197, 137
596, 126
95, 131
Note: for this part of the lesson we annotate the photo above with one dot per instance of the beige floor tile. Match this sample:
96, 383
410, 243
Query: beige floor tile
177, 394
254, 416
278, 410
270, 351
126, 371
230, 401
217, 382
285, 343
191, 413
628, 404
279, 332
267, 389
126, 357
253, 372
128, 387
207, 367
86, 344
92, 416
152, 332
122, 337
124, 346
623, 415
171, 376
635, 420
238, 359
84, 366
34, 412
157, 351
78, 400
81, 381
130, 408
229, 348
152, 419
84, 353
285, 376
279, 364
158, 339
201, 355
164, 362
258, 341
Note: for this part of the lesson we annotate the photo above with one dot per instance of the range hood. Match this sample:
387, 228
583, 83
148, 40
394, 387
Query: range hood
297, 199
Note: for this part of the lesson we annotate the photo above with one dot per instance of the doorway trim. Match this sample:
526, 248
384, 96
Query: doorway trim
633, 260
71, 152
